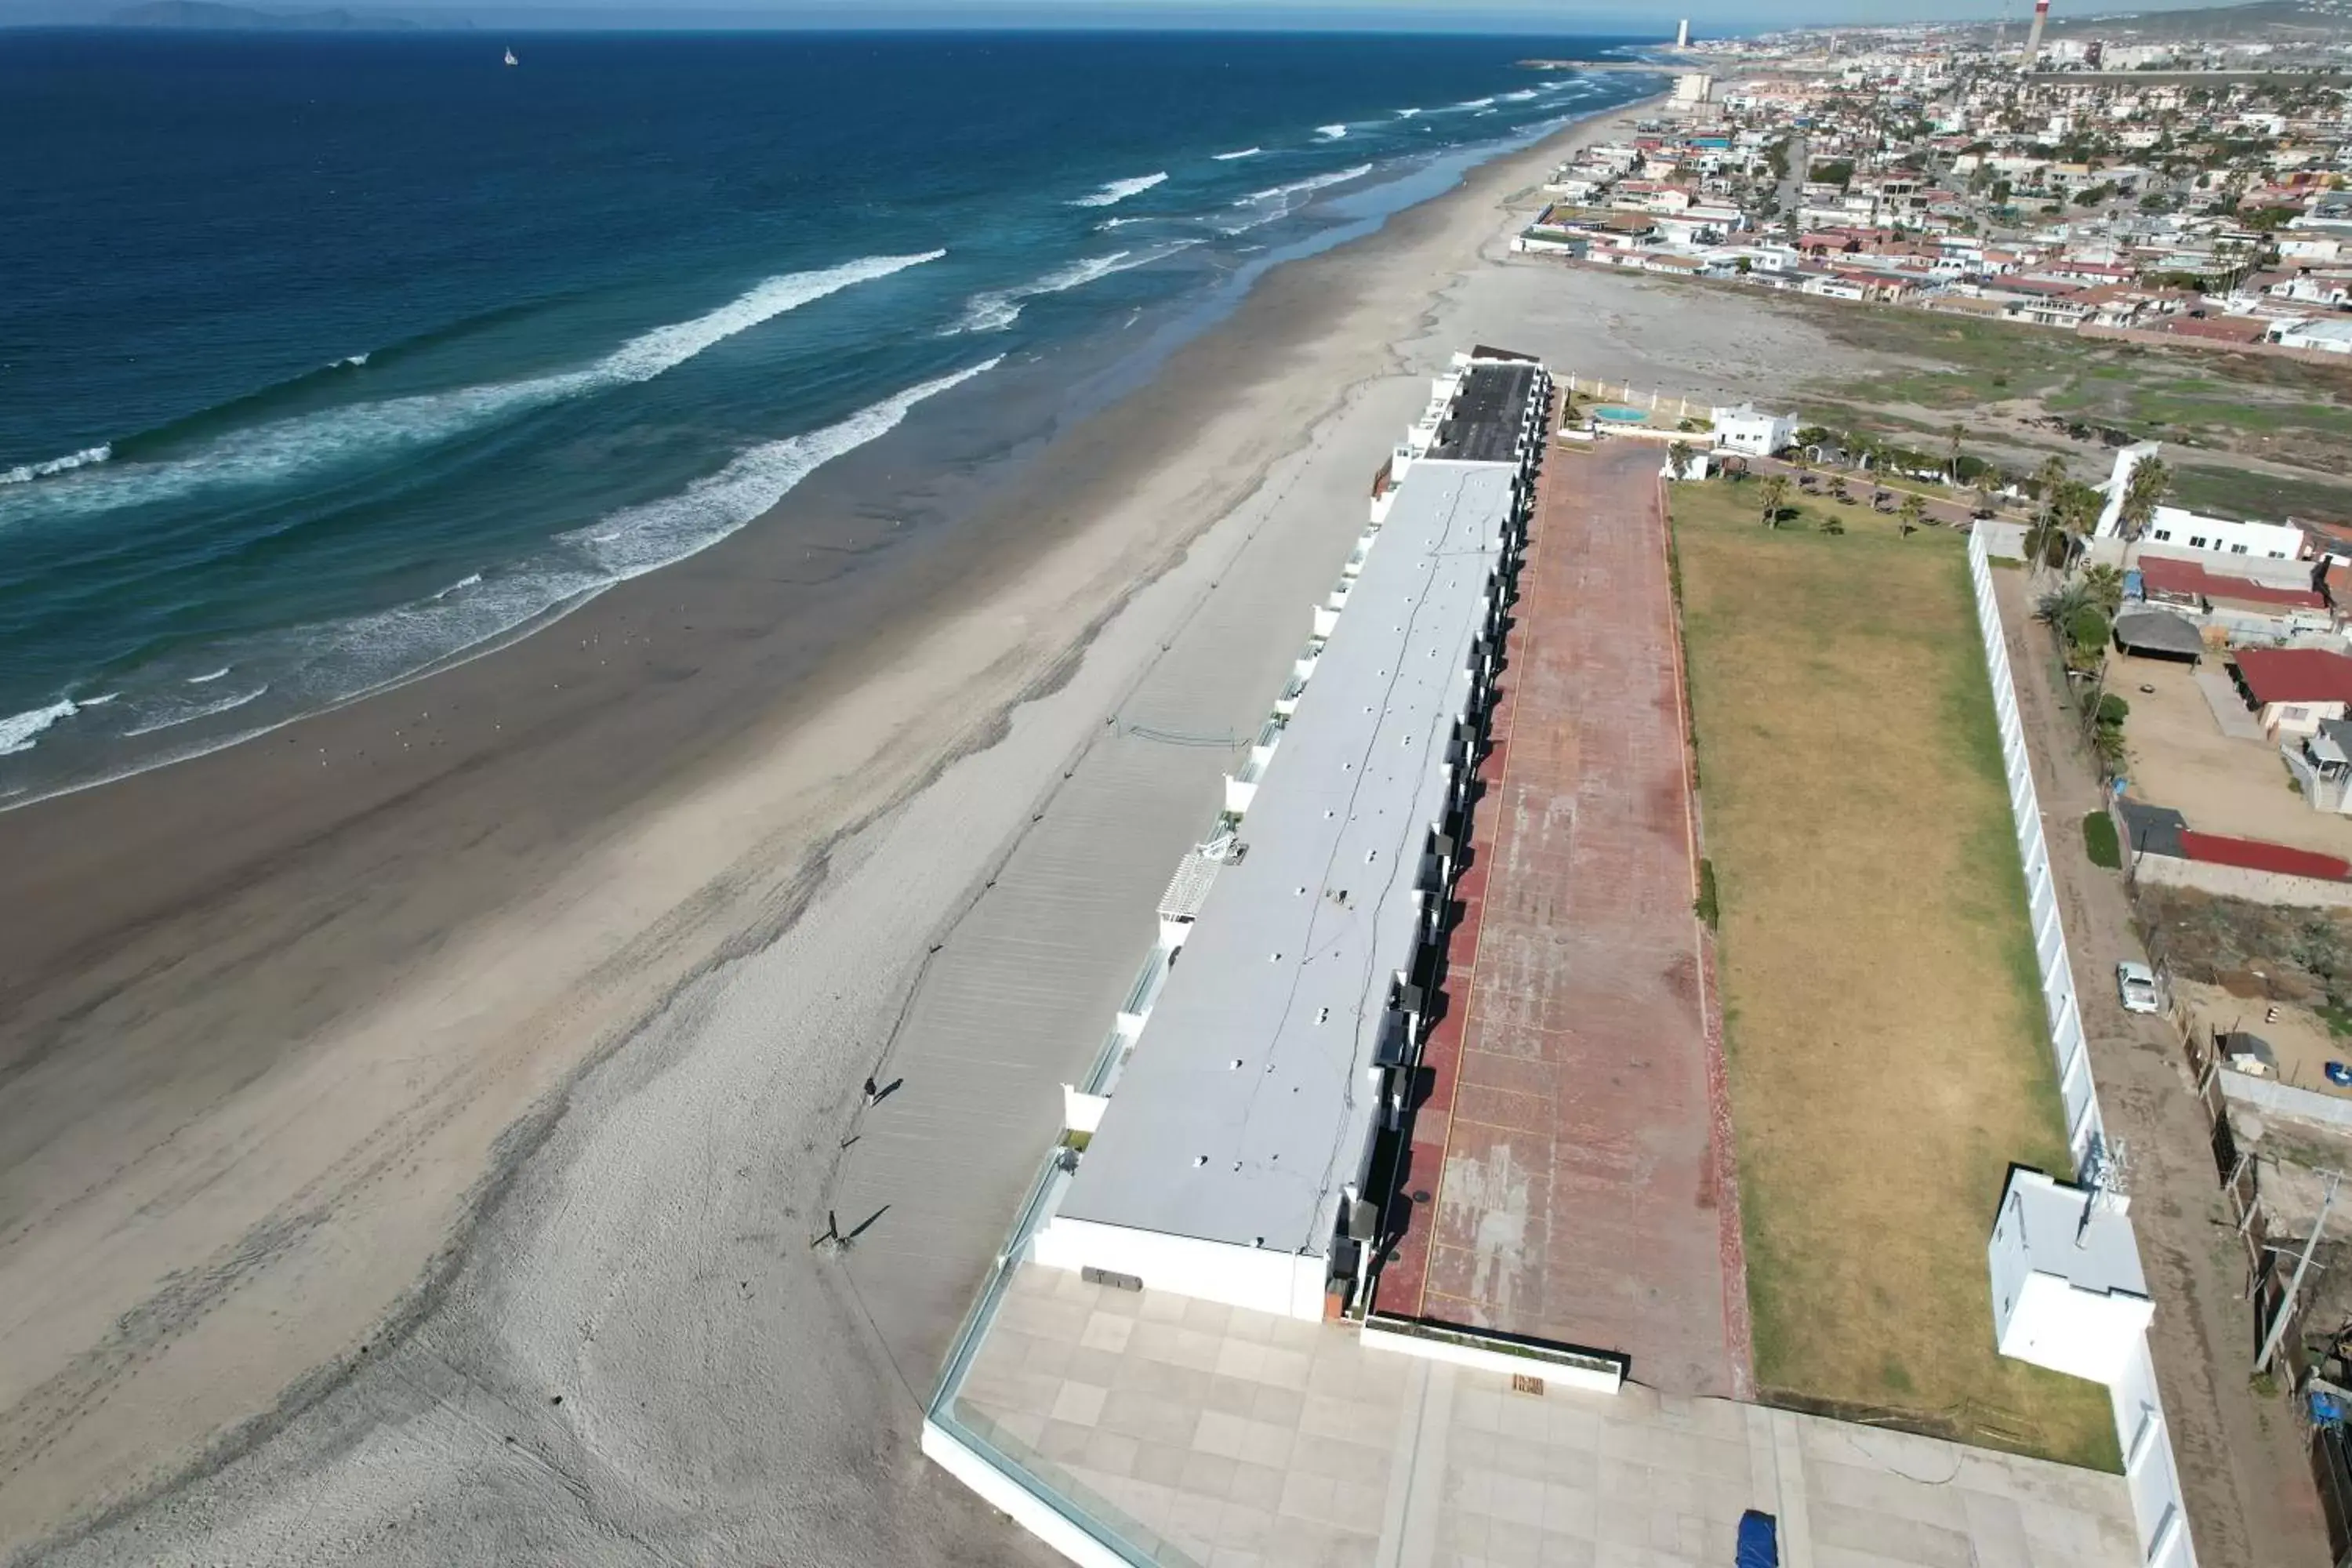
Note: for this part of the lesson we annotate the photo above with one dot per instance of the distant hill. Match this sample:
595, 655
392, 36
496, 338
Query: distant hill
2266, 21
210, 15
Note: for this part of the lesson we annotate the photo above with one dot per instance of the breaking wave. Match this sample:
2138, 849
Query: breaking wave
320, 665
998, 309
1331, 132
18, 731
1244, 152
1117, 191
281, 448
25, 473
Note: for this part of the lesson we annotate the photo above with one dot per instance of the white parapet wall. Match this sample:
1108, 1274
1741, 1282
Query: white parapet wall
1595, 1373
2149, 1469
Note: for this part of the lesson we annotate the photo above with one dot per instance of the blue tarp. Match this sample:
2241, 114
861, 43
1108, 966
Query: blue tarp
1759, 1541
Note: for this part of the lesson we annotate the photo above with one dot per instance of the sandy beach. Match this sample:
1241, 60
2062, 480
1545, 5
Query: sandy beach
412, 1122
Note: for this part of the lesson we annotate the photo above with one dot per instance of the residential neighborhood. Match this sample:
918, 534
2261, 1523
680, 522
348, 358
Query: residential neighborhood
2195, 191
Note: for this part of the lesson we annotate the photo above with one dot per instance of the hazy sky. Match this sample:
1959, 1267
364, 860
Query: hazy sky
1653, 19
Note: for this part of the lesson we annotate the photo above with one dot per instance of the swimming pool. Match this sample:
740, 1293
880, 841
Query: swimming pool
1616, 414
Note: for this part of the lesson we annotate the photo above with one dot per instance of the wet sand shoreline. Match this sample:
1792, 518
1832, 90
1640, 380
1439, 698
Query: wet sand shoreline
280, 1016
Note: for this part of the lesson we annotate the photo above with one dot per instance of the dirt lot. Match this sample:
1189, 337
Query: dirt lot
1883, 1027
2180, 758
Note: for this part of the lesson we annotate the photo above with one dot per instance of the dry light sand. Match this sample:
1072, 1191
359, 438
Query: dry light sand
411, 1159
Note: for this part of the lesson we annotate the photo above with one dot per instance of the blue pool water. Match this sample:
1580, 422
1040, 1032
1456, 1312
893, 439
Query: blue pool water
1615, 414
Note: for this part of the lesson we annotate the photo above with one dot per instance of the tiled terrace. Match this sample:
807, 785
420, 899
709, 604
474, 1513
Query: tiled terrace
1230, 1439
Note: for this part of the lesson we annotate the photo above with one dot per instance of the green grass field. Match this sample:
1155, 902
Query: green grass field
1883, 1021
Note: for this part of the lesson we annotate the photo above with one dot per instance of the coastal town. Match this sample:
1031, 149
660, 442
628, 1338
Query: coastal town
2195, 191
1652, 865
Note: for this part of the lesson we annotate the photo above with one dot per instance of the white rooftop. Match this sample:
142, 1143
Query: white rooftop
2099, 1257
1250, 1098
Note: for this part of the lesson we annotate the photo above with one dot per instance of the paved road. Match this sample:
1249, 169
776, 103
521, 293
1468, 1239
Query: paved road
2251, 1496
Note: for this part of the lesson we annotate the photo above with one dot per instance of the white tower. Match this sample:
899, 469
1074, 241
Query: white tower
2034, 37
1682, 35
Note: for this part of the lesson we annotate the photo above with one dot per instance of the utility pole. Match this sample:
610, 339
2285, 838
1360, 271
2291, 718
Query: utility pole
2302, 1264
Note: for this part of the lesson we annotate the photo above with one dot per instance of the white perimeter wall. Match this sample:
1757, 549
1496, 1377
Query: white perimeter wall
2149, 1468
1286, 1285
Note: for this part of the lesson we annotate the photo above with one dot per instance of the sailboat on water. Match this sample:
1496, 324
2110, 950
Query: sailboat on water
511, 59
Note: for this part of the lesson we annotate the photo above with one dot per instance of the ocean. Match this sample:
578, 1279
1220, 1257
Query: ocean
328, 360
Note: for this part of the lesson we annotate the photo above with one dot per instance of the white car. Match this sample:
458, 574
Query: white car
2136, 983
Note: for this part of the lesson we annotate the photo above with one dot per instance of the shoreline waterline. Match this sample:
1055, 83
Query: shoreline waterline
572, 833
346, 529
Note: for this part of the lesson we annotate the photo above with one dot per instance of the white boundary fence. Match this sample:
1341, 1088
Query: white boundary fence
2149, 1468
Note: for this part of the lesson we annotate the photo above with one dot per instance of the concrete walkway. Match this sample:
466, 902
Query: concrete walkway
1233, 1439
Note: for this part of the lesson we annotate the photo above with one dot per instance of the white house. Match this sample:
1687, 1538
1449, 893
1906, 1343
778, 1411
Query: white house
1743, 429
2329, 336
2186, 529
2067, 1290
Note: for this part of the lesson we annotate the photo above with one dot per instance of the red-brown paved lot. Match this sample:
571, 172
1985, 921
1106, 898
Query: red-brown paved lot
1573, 1150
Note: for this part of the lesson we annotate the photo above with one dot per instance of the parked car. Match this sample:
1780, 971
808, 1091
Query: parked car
2135, 984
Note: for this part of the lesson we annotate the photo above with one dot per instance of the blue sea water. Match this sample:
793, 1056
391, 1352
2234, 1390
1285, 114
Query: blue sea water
326, 359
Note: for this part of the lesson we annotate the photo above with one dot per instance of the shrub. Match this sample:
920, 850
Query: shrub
2086, 628
1707, 907
2113, 710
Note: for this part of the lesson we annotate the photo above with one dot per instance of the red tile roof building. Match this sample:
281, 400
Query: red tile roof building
2160, 575
2295, 675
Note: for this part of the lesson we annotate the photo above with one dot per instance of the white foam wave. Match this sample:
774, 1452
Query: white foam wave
1300, 187
998, 309
1117, 191
1520, 97
641, 538
25, 473
352, 360
208, 680
173, 715
308, 441
1407, 113
1476, 103
1244, 152
18, 731
467, 581
331, 664
1331, 132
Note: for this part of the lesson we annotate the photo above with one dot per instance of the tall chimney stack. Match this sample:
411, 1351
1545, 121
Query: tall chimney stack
2034, 38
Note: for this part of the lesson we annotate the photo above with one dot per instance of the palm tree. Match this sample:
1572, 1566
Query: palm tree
2046, 540
1774, 493
2059, 605
1678, 458
2144, 491
1912, 513
1955, 435
2050, 482
1838, 492
1831, 523
2106, 586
